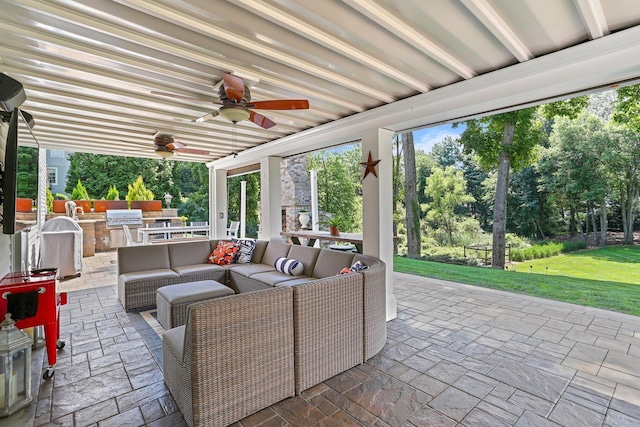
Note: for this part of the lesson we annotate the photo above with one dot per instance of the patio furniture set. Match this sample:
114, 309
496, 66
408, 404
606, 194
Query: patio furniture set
246, 335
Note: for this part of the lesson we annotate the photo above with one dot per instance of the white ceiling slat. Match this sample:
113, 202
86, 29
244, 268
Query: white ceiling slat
194, 53
499, 28
593, 17
387, 20
89, 67
172, 15
311, 32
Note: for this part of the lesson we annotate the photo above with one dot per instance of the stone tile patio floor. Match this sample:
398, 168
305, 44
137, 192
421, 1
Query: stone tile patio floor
456, 356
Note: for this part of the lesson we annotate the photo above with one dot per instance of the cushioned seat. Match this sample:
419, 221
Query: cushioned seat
273, 278
198, 269
173, 300
141, 276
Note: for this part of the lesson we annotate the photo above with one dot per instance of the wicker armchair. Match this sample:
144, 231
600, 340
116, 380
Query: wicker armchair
232, 358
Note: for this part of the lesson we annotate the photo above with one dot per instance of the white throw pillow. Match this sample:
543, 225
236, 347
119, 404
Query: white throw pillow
288, 266
245, 250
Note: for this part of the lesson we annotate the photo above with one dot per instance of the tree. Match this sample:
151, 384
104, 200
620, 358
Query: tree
447, 188
27, 173
253, 201
335, 171
412, 206
575, 170
447, 152
623, 156
397, 178
505, 141
626, 110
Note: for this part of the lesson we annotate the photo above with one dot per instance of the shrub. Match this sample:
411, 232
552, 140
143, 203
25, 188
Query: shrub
60, 196
49, 200
545, 250
113, 193
80, 192
137, 191
573, 246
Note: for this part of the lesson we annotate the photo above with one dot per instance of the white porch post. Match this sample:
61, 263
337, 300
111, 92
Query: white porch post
243, 209
270, 199
218, 203
377, 206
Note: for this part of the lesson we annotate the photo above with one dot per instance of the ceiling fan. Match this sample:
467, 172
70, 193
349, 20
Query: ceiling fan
234, 97
165, 146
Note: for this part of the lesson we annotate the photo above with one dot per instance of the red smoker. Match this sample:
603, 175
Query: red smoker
35, 294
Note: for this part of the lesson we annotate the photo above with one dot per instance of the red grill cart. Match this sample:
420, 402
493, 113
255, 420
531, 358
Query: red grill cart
44, 284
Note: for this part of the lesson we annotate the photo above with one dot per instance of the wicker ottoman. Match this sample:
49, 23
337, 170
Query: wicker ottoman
173, 300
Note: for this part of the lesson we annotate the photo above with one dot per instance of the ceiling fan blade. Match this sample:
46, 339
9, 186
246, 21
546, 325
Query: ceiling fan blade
284, 104
192, 151
189, 98
233, 87
175, 145
261, 120
206, 117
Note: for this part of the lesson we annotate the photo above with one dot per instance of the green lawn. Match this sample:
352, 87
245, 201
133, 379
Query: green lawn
615, 264
611, 290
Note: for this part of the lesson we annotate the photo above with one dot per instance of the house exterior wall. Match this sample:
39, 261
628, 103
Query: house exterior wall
296, 190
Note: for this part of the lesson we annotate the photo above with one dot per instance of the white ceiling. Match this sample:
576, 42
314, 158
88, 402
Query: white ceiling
89, 66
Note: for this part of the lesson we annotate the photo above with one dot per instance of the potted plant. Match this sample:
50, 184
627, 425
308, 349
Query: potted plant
23, 204
139, 197
334, 223
81, 198
59, 202
112, 201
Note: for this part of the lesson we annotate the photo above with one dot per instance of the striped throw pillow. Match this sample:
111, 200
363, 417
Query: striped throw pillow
288, 266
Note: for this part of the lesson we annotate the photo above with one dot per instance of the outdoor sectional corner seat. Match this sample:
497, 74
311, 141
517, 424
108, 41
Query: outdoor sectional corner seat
277, 336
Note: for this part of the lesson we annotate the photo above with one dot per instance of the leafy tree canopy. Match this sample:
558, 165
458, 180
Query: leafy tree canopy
626, 110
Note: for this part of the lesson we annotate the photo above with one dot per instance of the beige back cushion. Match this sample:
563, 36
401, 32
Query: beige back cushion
258, 251
306, 255
142, 258
274, 250
189, 253
330, 263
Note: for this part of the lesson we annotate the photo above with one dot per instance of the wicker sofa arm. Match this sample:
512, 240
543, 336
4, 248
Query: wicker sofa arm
375, 305
328, 325
240, 355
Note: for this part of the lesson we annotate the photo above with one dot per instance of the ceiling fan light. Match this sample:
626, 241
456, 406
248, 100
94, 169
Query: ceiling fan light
165, 154
234, 114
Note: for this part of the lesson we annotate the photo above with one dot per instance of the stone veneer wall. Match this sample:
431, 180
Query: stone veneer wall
296, 191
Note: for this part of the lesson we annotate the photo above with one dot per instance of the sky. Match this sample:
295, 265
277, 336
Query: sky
424, 139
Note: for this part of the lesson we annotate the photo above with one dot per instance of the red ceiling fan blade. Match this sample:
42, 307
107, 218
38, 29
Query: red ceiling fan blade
189, 98
192, 151
233, 87
284, 104
175, 145
261, 120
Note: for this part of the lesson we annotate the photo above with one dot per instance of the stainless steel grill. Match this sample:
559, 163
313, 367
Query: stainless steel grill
120, 217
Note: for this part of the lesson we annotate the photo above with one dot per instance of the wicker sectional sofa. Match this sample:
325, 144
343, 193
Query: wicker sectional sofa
279, 335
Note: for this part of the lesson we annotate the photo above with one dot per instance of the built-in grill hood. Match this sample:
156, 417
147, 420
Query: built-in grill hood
120, 217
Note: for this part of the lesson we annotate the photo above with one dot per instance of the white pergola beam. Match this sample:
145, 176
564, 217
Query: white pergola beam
499, 28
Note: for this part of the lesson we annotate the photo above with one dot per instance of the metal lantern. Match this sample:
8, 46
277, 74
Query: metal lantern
15, 367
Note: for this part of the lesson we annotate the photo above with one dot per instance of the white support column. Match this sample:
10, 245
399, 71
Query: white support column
270, 199
314, 200
243, 209
218, 203
377, 206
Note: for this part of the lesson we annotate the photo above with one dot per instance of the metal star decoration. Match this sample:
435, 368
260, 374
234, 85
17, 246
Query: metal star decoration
370, 166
